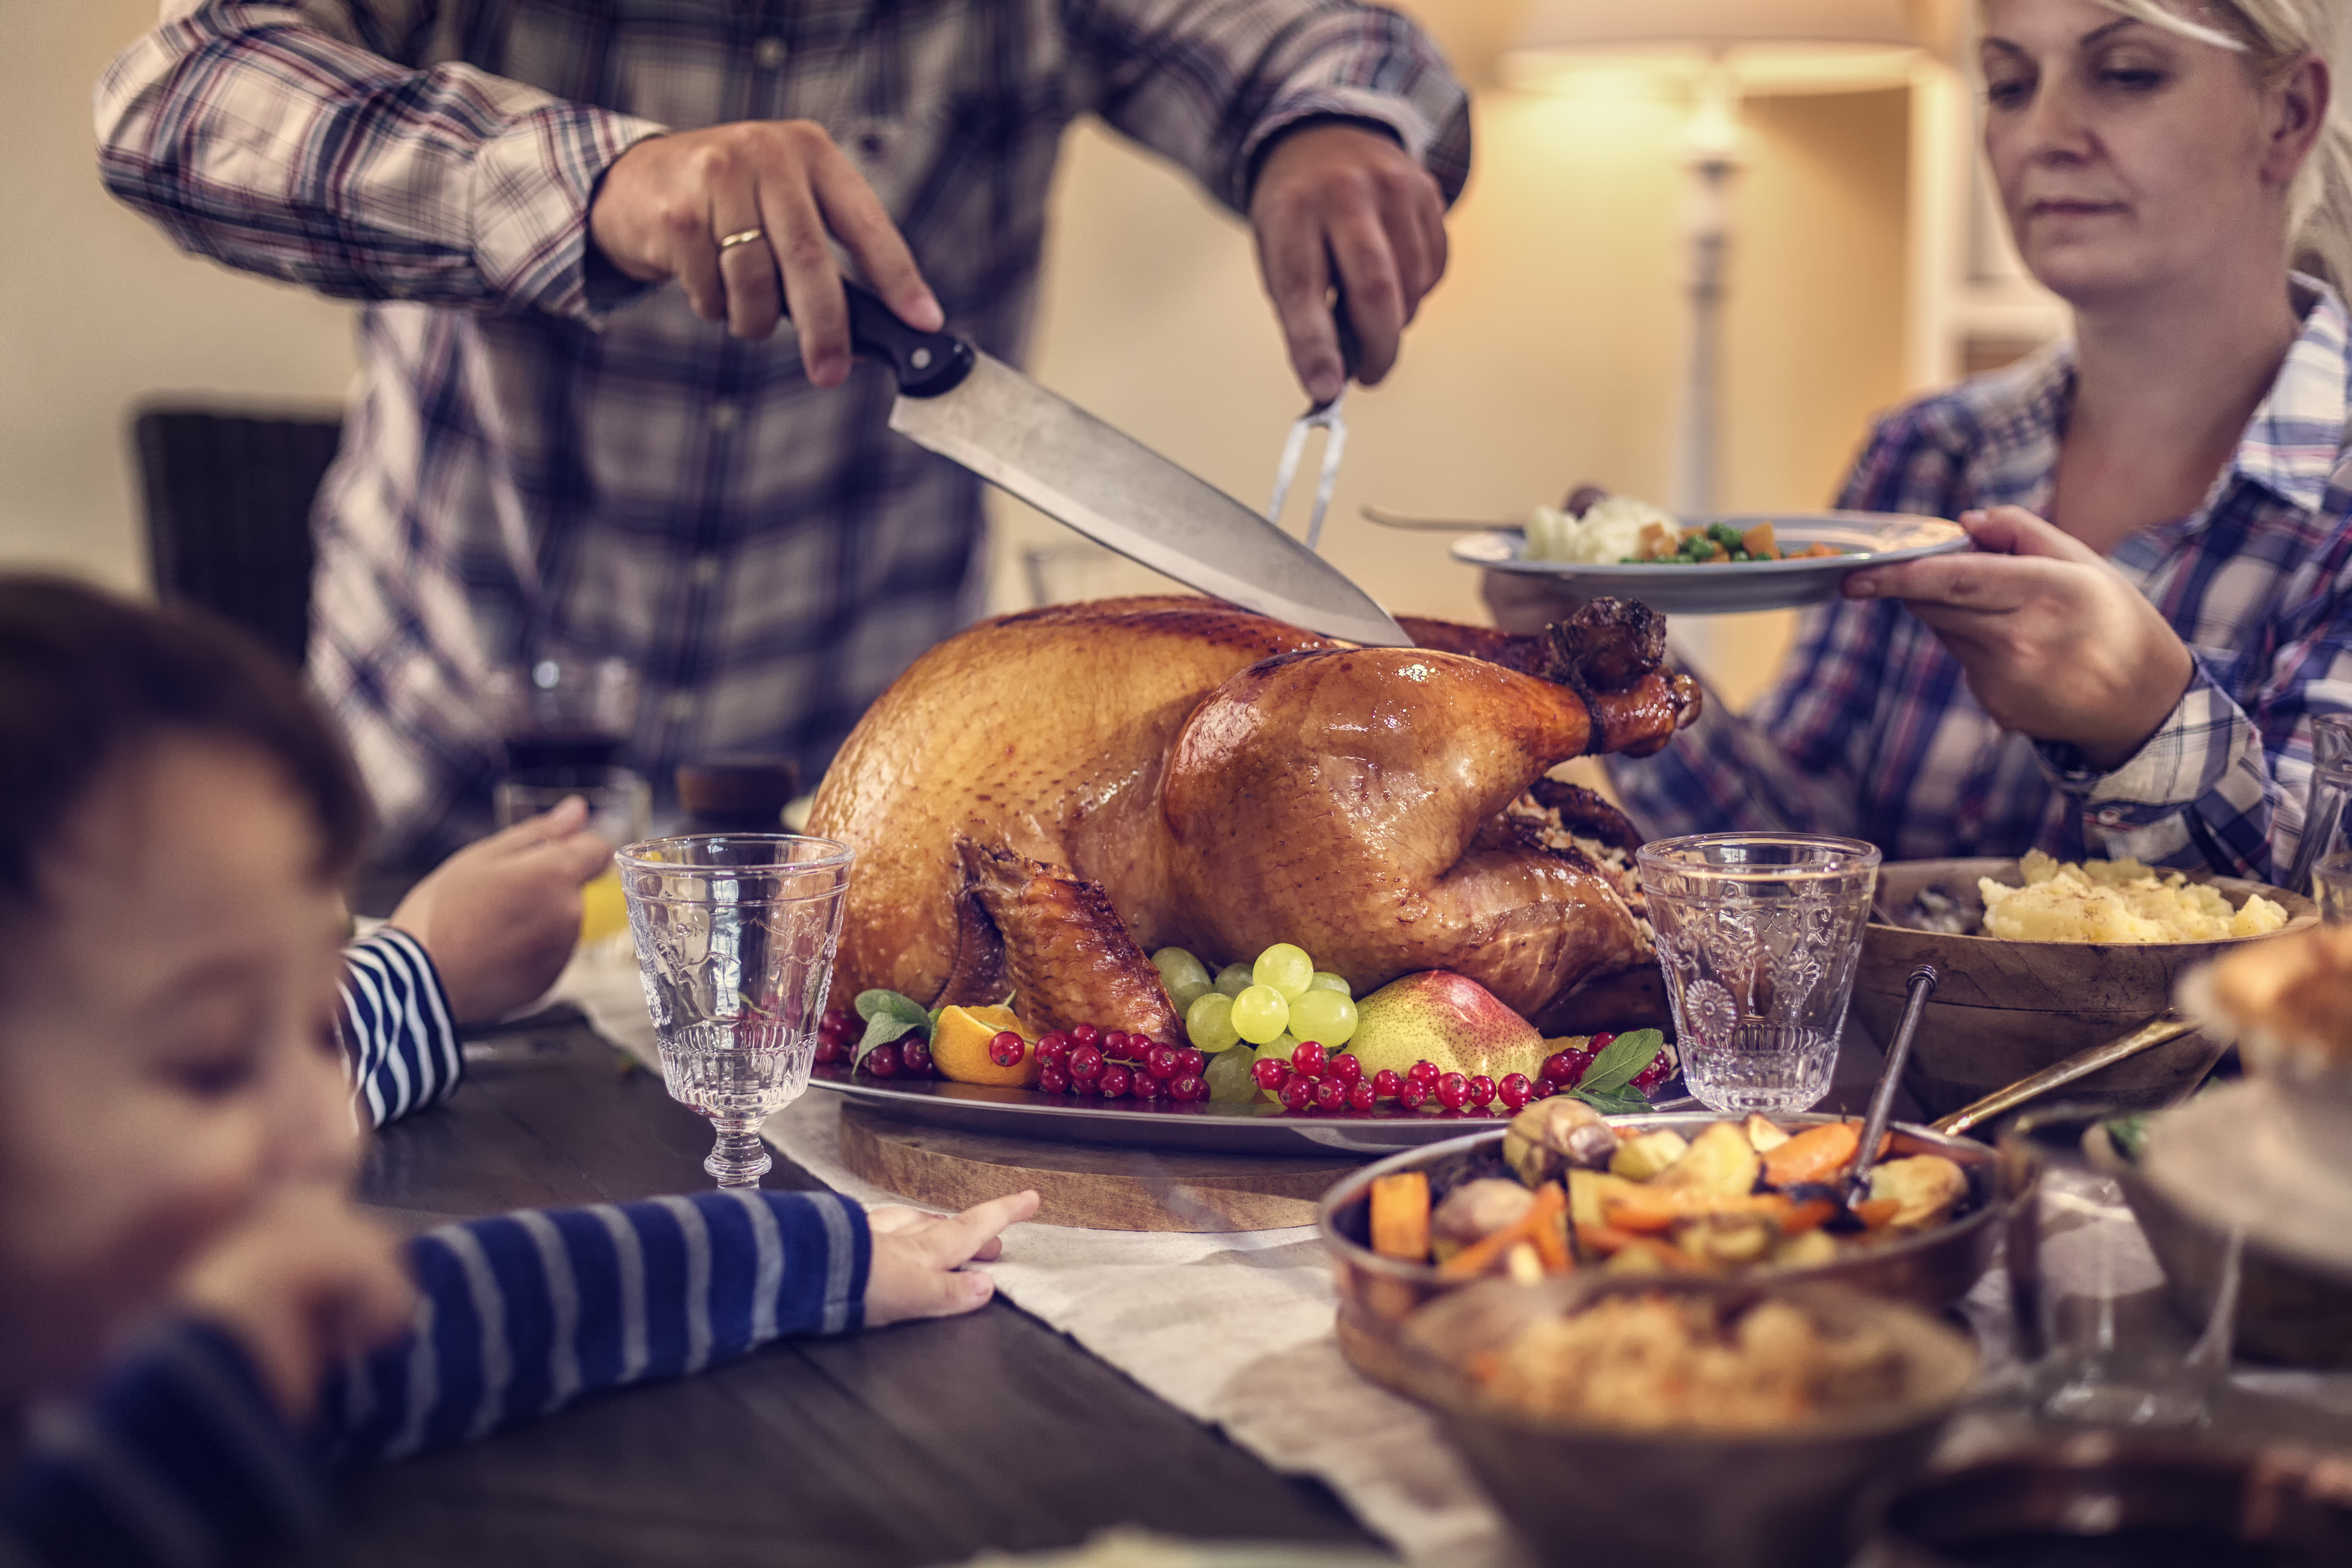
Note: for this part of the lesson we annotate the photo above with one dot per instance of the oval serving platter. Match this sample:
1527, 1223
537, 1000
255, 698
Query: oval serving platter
1871, 539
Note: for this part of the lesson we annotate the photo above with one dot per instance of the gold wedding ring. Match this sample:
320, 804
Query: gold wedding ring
741, 236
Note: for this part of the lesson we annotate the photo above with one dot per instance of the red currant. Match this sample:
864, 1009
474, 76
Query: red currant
829, 1050
1598, 1044
1361, 1096
915, 1058
1661, 1067
1411, 1096
1143, 1086
1086, 1035
1424, 1073
1188, 1087
1544, 1089
1344, 1068
1007, 1049
1053, 1046
1514, 1090
1452, 1091
1191, 1063
1330, 1095
1271, 1074
840, 1020
1481, 1090
1114, 1082
1163, 1062
1086, 1063
882, 1061
1298, 1094
1052, 1079
1306, 1058
1386, 1082
1561, 1067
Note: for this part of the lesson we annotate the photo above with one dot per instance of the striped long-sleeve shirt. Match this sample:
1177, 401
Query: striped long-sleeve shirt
538, 455
398, 1037
1871, 729
178, 1458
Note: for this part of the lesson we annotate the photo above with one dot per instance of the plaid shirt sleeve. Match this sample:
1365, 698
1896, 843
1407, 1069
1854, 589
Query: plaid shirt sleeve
273, 139
1211, 85
2221, 783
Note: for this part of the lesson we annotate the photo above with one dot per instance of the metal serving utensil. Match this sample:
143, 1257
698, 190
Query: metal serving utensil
2165, 1026
1323, 416
1890, 1078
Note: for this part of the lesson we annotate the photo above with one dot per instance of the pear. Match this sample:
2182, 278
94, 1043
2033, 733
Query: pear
1445, 1018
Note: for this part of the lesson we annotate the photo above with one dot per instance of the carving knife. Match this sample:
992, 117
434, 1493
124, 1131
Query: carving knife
988, 417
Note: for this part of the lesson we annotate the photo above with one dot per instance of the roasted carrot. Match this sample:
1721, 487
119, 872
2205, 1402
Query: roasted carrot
1811, 1214
1484, 1253
1876, 1213
1400, 1216
1551, 1244
1813, 1155
1652, 1209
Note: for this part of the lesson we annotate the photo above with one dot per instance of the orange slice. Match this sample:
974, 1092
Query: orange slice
960, 1047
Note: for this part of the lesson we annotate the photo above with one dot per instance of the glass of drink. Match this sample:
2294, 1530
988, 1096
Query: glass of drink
2324, 825
1760, 935
735, 936
619, 811
564, 716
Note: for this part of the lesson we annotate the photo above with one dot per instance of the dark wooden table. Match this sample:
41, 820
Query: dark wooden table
920, 1444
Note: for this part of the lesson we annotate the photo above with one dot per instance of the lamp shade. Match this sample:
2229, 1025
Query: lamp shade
1789, 45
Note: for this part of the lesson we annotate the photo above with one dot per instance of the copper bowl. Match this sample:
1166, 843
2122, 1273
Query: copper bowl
2100, 1500
1581, 1493
2004, 1010
1376, 1294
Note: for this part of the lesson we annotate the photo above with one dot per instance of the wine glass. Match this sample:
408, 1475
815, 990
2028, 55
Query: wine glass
735, 935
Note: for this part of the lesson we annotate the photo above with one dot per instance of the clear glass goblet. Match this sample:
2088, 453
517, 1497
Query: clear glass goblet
735, 936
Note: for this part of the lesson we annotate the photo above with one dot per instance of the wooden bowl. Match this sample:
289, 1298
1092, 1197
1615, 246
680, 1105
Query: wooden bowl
2004, 1010
1378, 1294
1583, 1494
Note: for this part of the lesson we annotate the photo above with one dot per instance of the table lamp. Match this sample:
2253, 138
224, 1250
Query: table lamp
1720, 50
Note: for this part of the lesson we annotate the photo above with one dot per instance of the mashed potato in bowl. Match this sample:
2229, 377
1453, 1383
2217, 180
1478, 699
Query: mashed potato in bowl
2117, 900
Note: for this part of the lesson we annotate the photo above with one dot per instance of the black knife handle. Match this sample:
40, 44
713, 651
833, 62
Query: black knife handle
926, 363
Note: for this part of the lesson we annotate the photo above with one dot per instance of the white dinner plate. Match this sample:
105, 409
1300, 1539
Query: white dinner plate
1873, 538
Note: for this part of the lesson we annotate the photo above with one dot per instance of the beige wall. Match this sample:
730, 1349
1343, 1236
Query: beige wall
1551, 352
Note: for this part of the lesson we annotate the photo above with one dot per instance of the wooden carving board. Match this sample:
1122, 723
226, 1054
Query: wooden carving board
1089, 1187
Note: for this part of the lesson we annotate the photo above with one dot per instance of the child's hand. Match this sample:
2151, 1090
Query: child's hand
917, 1256
309, 1281
499, 917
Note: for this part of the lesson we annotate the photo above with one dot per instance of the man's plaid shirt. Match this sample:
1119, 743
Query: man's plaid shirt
1872, 730
539, 455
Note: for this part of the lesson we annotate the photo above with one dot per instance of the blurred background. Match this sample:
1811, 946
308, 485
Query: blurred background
1863, 264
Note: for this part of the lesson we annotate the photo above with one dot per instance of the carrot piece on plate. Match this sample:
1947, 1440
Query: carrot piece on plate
1813, 1155
1759, 543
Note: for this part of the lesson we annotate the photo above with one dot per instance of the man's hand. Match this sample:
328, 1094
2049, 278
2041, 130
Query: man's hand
1340, 206
499, 917
918, 1259
305, 1282
665, 204
2056, 643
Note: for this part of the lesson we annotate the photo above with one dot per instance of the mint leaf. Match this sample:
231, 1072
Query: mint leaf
1613, 1069
1625, 1101
887, 1016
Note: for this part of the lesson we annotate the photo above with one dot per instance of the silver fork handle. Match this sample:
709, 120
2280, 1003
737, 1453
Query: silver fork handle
1326, 419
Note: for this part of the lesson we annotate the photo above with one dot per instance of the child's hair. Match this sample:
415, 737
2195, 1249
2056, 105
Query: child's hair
88, 680
2274, 35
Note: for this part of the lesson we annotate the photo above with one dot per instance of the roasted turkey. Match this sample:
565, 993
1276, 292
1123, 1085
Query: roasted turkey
1040, 800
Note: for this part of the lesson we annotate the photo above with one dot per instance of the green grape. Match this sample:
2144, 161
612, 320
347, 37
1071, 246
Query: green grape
1208, 1022
1324, 1016
1326, 981
1228, 1077
1260, 1014
1287, 968
1234, 979
1185, 976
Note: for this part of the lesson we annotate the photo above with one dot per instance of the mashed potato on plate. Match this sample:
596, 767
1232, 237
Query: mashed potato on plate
1609, 531
2117, 900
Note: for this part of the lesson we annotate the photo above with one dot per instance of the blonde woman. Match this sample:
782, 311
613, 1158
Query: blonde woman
2157, 608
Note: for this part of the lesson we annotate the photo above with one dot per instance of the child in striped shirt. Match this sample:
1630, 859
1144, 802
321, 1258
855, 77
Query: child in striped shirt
196, 1320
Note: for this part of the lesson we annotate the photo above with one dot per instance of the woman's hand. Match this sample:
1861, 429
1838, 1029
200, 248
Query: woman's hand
500, 917
2056, 643
918, 1259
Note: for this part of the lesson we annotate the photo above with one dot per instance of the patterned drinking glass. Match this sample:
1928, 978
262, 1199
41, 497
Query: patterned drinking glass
735, 936
1760, 935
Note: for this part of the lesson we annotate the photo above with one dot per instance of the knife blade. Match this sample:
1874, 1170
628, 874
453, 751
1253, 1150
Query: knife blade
981, 413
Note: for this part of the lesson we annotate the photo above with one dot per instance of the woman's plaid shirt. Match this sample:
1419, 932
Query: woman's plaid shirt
1872, 730
538, 456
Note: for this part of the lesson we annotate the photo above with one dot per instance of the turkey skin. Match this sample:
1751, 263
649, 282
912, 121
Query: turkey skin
1179, 771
